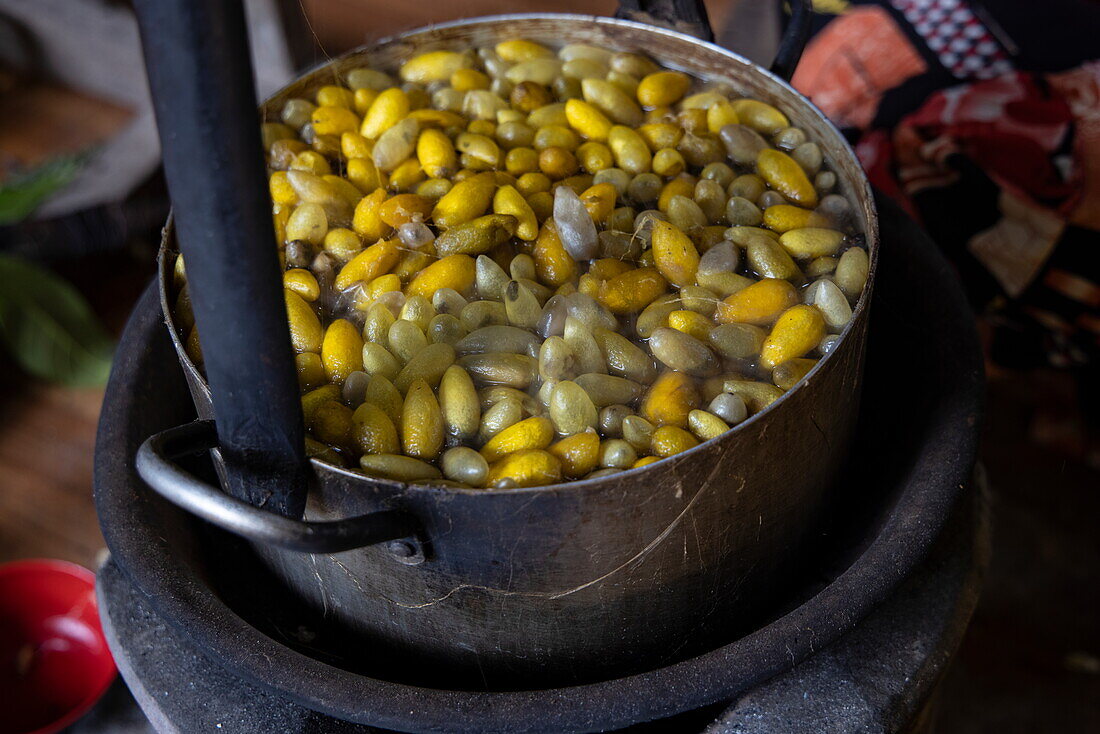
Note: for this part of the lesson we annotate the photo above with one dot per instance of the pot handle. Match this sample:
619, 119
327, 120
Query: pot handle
156, 463
690, 16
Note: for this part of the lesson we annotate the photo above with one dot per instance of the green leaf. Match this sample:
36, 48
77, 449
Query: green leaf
47, 326
21, 195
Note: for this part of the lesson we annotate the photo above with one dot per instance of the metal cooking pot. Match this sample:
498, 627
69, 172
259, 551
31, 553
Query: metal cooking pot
570, 582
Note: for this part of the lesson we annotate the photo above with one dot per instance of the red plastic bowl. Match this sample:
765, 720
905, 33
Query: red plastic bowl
54, 661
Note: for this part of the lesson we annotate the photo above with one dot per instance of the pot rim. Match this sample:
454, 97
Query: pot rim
861, 190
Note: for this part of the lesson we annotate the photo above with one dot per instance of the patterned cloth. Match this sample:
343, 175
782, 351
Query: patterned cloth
1000, 162
961, 41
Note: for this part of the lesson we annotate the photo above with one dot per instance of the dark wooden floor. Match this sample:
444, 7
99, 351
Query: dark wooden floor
46, 440
47, 433
1030, 662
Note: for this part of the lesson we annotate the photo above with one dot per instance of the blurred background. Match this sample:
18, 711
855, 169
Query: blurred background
1014, 202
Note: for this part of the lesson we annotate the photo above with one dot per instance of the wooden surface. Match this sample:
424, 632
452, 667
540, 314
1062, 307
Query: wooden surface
47, 433
342, 24
44, 120
46, 439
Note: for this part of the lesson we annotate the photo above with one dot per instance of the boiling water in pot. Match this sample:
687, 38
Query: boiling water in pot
515, 266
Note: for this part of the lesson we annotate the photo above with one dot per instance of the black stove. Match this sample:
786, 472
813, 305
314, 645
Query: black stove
879, 676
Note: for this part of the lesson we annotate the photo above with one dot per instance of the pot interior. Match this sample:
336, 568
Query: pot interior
669, 48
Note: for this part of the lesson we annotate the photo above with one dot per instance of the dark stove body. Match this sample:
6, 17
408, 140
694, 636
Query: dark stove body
194, 658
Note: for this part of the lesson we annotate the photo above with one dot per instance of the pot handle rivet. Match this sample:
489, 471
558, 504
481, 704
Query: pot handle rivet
404, 551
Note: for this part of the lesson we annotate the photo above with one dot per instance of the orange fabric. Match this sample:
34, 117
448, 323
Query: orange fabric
1072, 285
1081, 89
853, 61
